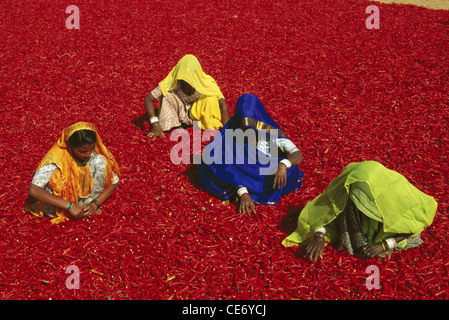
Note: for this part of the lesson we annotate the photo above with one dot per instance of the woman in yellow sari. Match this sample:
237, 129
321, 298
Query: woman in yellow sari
75, 177
187, 94
368, 210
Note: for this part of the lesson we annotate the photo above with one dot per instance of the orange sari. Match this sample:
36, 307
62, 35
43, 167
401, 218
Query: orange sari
71, 181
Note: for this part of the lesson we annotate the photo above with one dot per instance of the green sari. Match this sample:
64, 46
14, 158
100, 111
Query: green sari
389, 204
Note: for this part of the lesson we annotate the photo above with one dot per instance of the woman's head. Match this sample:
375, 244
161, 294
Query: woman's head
250, 112
82, 137
186, 87
82, 144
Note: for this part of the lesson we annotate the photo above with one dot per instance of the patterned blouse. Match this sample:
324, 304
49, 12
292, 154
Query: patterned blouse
97, 165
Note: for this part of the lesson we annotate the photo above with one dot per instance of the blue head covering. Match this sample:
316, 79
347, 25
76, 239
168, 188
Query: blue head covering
250, 112
231, 161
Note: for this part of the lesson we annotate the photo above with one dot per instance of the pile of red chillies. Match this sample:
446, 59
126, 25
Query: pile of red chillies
341, 92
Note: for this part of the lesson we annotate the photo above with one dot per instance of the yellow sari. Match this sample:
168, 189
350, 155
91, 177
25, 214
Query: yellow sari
71, 181
206, 109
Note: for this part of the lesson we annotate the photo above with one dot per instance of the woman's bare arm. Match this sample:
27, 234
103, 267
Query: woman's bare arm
295, 158
44, 196
156, 130
224, 111
374, 249
148, 102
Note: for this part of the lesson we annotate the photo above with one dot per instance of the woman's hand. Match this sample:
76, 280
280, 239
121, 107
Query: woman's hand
280, 178
372, 250
77, 211
314, 249
246, 204
156, 131
90, 209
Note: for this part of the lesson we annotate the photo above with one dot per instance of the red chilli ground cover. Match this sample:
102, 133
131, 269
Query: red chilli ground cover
342, 93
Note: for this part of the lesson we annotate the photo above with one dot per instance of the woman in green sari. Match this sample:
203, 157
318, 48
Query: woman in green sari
368, 210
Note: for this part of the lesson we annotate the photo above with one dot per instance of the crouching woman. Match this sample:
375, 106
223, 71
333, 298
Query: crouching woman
76, 176
368, 211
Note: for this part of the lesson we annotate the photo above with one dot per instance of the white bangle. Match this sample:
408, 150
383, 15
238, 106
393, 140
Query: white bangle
242, 191
286, 162
391, 243
321, 229
153, 120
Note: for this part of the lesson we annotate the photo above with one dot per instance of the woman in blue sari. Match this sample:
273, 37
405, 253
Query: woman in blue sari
250, 159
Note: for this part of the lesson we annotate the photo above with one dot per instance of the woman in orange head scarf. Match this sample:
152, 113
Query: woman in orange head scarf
75, 177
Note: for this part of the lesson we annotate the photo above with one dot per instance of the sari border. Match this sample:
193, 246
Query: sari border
260, 125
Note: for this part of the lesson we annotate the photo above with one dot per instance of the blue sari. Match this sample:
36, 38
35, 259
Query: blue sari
229, 164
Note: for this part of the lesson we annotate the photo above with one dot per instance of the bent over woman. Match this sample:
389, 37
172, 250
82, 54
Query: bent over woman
75, 177
368, 210
187, 94
250, 159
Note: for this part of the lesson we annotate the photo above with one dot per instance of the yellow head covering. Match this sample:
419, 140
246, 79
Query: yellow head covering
71, 181
189, 70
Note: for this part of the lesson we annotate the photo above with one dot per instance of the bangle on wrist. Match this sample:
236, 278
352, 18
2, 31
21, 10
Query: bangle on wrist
96, 203
242, 191
383, 245
69, 206
286, 163
153, 120
320, 232
390, 243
